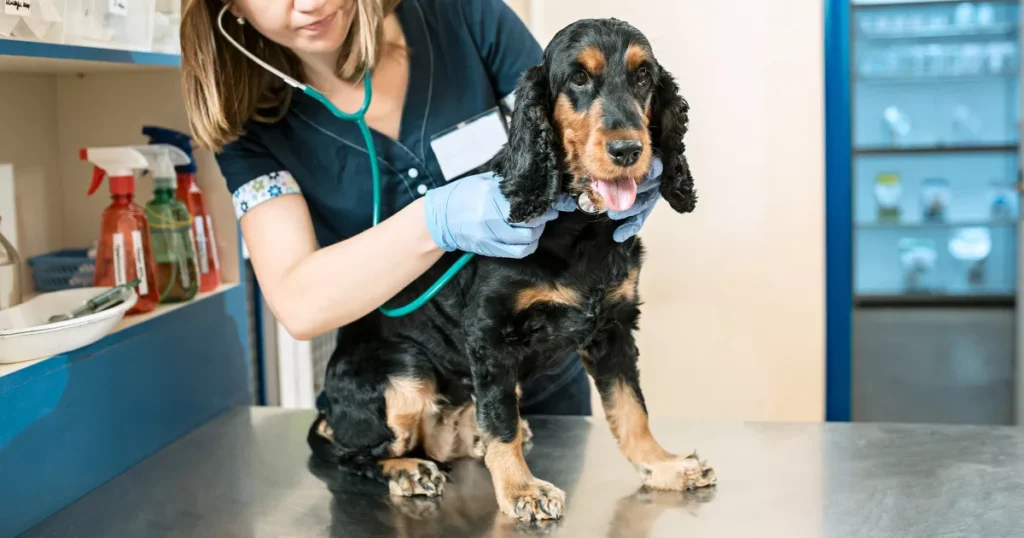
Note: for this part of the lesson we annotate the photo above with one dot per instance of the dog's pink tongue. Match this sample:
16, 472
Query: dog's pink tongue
619, 194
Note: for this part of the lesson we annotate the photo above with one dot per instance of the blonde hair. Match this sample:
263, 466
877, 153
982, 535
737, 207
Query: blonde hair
223, 88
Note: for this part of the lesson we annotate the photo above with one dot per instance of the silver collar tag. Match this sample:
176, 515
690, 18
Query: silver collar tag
585, 205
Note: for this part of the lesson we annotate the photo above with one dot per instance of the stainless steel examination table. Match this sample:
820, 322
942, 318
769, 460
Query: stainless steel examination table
247, 473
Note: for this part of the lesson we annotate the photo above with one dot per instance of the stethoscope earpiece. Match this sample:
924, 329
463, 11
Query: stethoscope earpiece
241, 21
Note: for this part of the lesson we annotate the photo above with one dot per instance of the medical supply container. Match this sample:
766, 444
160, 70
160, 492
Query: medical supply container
170, 225
125, 252
192, 196
113, 24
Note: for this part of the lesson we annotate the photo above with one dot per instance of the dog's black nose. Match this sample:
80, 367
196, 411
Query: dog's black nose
624, 152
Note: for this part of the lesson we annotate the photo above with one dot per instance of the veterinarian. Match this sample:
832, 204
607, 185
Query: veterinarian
442, 72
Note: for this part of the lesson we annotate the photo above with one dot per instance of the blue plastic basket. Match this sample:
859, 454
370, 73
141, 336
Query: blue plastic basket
63, 269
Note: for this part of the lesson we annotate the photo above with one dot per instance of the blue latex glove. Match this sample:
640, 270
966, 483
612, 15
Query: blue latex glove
647, 195
470, 215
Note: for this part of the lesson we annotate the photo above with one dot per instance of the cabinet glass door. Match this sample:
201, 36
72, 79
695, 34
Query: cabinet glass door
936, 114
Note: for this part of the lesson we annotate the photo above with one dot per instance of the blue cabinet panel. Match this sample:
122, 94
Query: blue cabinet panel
838, 216
71, 423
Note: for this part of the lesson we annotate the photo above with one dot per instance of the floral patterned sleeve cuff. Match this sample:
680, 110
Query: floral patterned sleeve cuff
261, 189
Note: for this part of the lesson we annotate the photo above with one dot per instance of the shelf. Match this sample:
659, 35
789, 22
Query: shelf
932, 79
920, 225
1003, 29
897, 3
126, 323
34, 56
921, 150
936, 300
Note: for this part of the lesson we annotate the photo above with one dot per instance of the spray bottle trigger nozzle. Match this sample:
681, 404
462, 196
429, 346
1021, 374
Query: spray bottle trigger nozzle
97, 179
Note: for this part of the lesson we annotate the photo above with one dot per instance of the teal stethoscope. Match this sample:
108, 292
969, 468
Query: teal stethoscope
360, 118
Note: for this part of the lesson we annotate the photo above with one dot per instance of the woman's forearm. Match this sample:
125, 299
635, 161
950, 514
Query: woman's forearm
312, 291
336, 285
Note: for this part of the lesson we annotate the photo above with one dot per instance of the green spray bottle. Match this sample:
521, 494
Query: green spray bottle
170, 226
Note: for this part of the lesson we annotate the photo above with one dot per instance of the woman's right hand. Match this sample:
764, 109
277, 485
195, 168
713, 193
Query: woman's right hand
471, 214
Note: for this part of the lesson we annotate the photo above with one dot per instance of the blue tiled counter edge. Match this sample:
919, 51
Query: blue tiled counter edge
72, 422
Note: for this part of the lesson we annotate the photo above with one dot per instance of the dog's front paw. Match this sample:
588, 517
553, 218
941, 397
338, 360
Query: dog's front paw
408, 477
533, 501
678, 474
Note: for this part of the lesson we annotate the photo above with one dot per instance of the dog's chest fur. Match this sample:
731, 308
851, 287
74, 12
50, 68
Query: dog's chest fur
535, 311
580, 281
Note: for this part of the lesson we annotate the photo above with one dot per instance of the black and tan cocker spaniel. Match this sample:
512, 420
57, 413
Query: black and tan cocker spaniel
404, 395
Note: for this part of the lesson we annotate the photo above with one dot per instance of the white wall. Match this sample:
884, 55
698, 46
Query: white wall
733, 321
30, 148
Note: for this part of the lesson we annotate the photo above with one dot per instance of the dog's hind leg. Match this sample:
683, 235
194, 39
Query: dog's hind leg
372, 418
612, 361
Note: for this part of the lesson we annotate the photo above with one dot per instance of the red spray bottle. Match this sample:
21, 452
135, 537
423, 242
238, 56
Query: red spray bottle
190, 194
124, 252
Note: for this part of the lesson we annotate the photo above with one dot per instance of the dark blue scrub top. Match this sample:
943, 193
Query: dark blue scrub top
465, 58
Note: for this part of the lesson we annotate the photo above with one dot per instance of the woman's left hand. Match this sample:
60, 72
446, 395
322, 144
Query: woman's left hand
647, 197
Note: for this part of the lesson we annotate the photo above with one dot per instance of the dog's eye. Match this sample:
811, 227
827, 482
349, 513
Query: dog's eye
580, 78
643, 77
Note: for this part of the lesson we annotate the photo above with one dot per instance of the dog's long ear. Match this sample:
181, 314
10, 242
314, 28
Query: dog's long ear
528, 164
669, 122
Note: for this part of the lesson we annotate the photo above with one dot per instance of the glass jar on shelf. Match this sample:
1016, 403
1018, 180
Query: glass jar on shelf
986, 16
113, 24
917, 258
964, 16
897, 125
888, 192
33, 20
935, 198
1004, 202
166, 22
971, 248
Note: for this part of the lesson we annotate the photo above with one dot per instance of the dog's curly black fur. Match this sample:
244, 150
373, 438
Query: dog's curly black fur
395, 387
669, 129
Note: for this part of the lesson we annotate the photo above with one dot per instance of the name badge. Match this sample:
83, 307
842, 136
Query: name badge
469, 144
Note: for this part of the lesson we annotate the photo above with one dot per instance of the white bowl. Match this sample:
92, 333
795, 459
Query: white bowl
27, 334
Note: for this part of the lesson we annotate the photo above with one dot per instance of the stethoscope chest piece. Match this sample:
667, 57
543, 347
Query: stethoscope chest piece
586, 205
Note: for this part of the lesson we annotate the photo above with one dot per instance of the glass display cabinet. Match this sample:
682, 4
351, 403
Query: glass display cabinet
923, 100
935, 117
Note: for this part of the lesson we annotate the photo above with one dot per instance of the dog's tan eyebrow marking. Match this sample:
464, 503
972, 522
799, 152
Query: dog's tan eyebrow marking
592, 60
546, 293
635, 56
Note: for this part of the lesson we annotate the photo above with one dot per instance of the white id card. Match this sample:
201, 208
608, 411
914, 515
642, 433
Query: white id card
469, 144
